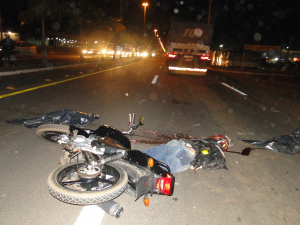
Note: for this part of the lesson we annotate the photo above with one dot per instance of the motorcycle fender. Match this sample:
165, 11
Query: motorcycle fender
145, 185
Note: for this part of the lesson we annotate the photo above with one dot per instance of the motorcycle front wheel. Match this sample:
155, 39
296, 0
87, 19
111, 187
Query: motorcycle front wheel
52, 132
78, 186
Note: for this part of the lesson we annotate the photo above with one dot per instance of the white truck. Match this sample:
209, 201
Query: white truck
188, 48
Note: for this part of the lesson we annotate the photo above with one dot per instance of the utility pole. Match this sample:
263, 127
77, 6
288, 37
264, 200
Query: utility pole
209, 9
120, 9
1, 31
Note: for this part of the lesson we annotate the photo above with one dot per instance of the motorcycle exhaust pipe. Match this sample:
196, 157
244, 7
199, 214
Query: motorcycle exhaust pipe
112, 208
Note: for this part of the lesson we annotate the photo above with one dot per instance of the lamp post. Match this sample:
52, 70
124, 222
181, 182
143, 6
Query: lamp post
120, 9
145, 4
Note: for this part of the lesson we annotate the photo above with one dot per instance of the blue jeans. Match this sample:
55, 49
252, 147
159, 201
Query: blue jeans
175, 154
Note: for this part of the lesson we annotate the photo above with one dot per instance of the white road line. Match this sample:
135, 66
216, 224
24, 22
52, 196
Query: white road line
234, 89
91, 215
155, 79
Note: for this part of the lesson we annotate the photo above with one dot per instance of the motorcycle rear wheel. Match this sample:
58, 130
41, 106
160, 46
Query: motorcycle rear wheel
51, 132
65, 185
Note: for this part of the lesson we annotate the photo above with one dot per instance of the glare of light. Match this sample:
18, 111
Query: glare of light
187, 69
96, 42
104, 51
84, 51
144, 54
171, 55
276, 59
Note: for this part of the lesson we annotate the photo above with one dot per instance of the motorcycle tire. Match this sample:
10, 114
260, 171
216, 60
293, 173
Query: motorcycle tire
62, 188
51, 132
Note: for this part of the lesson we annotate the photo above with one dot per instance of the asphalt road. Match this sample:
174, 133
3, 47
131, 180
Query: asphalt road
262, 188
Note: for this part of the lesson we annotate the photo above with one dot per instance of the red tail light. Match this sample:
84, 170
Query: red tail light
204, 57
172, 55
165, 185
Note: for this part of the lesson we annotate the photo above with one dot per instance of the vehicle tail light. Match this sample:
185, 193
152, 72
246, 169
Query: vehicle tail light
172, 55
165, 185
204, 57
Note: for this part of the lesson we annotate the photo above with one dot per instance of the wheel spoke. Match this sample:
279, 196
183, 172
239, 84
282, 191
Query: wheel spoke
109, 181
72, 182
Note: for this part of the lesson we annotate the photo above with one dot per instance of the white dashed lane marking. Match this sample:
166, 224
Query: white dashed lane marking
155, 79
234, 89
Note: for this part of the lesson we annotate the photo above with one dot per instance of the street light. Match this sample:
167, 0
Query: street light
145, 4
155, 30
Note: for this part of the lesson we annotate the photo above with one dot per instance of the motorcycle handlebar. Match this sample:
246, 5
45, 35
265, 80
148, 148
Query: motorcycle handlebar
132, 126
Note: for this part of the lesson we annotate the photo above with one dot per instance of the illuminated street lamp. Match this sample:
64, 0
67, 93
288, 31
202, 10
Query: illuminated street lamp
155, 30
145, 4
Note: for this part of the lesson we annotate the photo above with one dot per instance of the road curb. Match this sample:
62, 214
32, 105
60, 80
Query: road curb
8, 73
49, 67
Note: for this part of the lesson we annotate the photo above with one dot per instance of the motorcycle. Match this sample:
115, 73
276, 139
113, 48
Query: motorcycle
7, 58
99, 165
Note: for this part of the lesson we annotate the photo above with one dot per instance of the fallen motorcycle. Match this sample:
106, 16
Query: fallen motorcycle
99, 165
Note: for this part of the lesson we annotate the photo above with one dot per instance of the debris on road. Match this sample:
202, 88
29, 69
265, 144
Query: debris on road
288, 144
67, 117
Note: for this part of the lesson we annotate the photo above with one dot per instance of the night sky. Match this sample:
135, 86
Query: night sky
236, 22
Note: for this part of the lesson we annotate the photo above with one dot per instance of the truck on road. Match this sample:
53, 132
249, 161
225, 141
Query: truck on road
188, 48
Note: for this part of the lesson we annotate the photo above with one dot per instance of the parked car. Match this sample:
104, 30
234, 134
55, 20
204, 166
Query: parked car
24, 48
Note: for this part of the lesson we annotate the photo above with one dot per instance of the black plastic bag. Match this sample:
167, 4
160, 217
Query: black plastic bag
67, 117
288, 144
